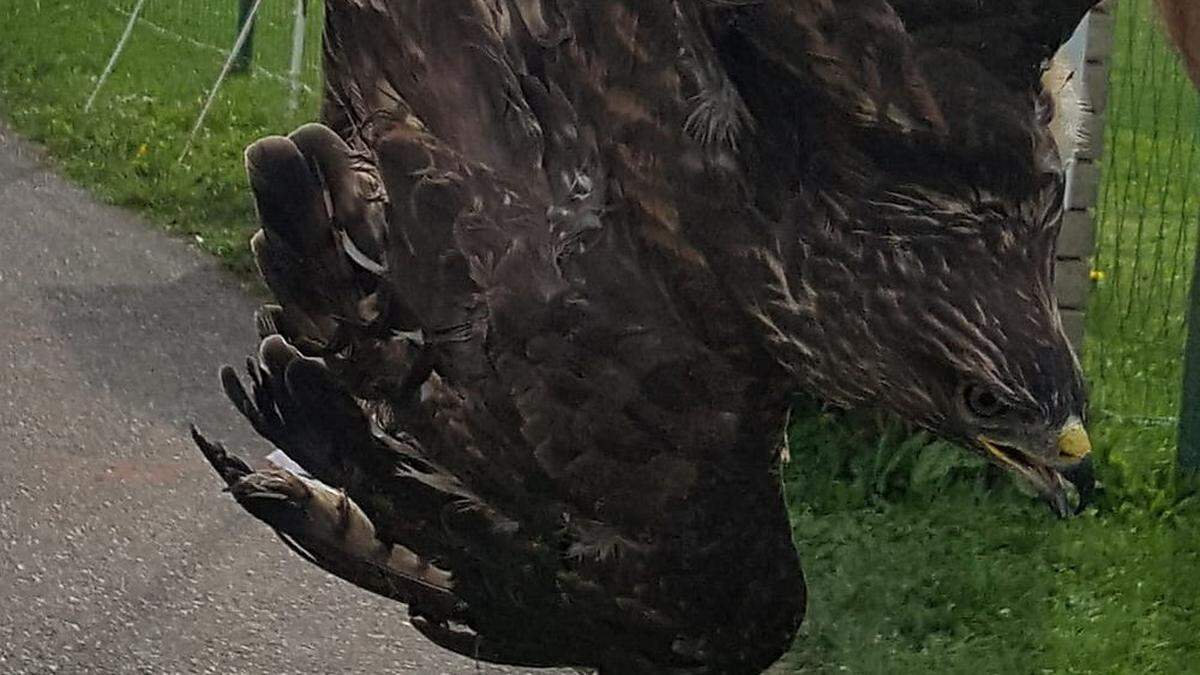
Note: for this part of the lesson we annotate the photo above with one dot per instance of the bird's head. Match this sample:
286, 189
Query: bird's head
942, 310
956, 329
929, 292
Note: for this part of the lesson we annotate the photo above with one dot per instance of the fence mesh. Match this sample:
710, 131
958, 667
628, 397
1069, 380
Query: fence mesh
209, 29
1146, 226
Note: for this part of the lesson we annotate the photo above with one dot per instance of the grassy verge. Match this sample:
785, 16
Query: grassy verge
127, 148
919, 558
922, 560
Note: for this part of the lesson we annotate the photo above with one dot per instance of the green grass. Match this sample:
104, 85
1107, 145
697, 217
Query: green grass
919, 558
1147, 222
922, 559
127, 148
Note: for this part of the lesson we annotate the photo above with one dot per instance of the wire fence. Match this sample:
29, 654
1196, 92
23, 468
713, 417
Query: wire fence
212, 26
277, 42
1146, 226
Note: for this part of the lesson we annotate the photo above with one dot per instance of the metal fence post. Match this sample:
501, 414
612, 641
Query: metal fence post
1189, 405
117, 51
299, 26
245, 55
242, 37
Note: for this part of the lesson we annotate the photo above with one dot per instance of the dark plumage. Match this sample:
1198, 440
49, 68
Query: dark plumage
545, 292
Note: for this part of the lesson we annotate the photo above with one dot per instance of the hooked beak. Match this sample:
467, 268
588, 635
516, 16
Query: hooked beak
1055, 479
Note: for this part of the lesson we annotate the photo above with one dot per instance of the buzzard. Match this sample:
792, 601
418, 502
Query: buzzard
548, 273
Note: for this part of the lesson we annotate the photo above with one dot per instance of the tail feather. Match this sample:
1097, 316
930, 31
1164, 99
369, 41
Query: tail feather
330, 530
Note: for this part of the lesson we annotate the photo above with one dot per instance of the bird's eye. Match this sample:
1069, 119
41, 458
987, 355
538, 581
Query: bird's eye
983, 402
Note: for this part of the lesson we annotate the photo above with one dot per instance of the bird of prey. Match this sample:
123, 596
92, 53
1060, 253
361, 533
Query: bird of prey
548, 273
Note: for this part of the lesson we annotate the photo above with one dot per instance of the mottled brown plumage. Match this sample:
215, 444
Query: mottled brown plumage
543, 295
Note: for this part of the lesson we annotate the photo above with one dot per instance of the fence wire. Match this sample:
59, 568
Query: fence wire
1146, 225
212, 26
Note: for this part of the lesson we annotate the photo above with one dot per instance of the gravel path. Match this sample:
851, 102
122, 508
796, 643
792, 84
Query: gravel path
118, 554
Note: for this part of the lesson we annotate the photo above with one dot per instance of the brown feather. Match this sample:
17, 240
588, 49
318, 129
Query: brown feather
543, 296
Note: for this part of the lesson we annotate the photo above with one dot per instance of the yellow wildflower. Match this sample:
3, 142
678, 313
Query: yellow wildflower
1096, 275
143, 150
